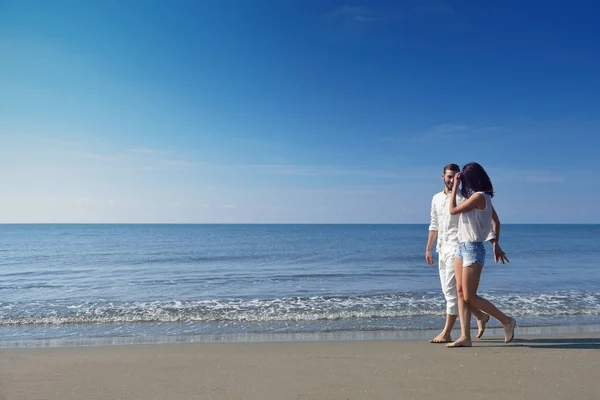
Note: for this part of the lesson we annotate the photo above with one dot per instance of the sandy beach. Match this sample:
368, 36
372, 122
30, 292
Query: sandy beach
532, 367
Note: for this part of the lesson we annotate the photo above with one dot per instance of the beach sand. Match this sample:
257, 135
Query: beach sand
532, 367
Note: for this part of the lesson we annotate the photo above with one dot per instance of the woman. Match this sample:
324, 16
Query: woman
474, 225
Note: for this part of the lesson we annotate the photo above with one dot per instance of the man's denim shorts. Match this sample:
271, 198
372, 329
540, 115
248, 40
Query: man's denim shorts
471, 253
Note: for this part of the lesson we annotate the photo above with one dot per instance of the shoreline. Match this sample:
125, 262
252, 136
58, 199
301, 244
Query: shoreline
531, 367
290, 337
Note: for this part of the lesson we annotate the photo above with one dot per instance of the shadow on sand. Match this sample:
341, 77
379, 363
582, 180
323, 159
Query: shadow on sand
548, 343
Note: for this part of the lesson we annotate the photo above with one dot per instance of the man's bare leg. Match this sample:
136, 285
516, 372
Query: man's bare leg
444, 336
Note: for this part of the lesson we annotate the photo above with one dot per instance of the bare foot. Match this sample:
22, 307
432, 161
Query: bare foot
441, 338
461, 342
481, 326
509, 331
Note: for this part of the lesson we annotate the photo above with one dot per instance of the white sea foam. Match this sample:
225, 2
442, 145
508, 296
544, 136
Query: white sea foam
293, 309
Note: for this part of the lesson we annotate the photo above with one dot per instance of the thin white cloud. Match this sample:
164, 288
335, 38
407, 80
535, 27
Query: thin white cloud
445, 129
432, 134
456, 131
362, 189
83, 202
531, 176
103, 168
95, 156
329, 170
394, 174
151, 151
352, 13
147, 169
144, 150
436, 7
180, 163
315, 170
491, 129
441, 131
155, 163
355, 14
539, 178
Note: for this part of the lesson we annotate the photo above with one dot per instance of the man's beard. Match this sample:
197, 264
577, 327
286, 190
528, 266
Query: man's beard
449, 186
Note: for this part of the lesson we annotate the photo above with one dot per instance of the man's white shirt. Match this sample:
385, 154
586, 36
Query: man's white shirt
445, 224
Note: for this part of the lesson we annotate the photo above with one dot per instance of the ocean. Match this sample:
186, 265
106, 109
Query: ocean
149, 281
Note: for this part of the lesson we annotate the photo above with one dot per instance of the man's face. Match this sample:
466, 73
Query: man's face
448, 178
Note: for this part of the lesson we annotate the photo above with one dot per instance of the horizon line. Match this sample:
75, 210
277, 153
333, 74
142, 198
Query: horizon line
276, 223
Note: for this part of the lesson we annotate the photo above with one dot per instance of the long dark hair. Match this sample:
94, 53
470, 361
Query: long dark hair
473, 178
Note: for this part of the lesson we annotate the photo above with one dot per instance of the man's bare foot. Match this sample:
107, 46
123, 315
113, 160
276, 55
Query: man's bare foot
441, 338
481, 326
509, 331
461, 342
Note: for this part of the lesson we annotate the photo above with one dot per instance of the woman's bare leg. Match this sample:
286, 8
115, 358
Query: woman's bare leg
482, 320
470, 283
464, 311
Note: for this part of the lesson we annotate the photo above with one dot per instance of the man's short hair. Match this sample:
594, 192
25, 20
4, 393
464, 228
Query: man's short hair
451, 167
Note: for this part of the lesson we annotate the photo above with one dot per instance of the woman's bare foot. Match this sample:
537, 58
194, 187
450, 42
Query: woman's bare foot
461, 342
509, 331
481, 326
441, 338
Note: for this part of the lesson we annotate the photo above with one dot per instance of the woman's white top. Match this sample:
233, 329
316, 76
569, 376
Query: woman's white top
475, 225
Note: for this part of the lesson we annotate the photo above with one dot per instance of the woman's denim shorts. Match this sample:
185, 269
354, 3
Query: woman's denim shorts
471, 253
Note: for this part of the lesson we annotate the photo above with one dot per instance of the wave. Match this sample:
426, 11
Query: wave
292, 309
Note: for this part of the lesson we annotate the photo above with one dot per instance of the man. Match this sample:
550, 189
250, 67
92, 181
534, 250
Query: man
444, 227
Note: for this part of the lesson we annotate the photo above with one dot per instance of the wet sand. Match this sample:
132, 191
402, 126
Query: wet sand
532, 367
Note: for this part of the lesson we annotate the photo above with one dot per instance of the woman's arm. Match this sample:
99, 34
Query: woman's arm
475, 201
499, 254
495, 224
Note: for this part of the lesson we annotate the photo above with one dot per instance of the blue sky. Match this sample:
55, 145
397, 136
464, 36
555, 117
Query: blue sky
295, 110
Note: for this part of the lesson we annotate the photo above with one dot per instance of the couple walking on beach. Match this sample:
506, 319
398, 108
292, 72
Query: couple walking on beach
461, 223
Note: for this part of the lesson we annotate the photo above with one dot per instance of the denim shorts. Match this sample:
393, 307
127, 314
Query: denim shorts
471, 253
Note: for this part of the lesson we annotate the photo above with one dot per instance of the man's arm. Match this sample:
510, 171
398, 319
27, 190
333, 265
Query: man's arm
433, 232
430, 240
